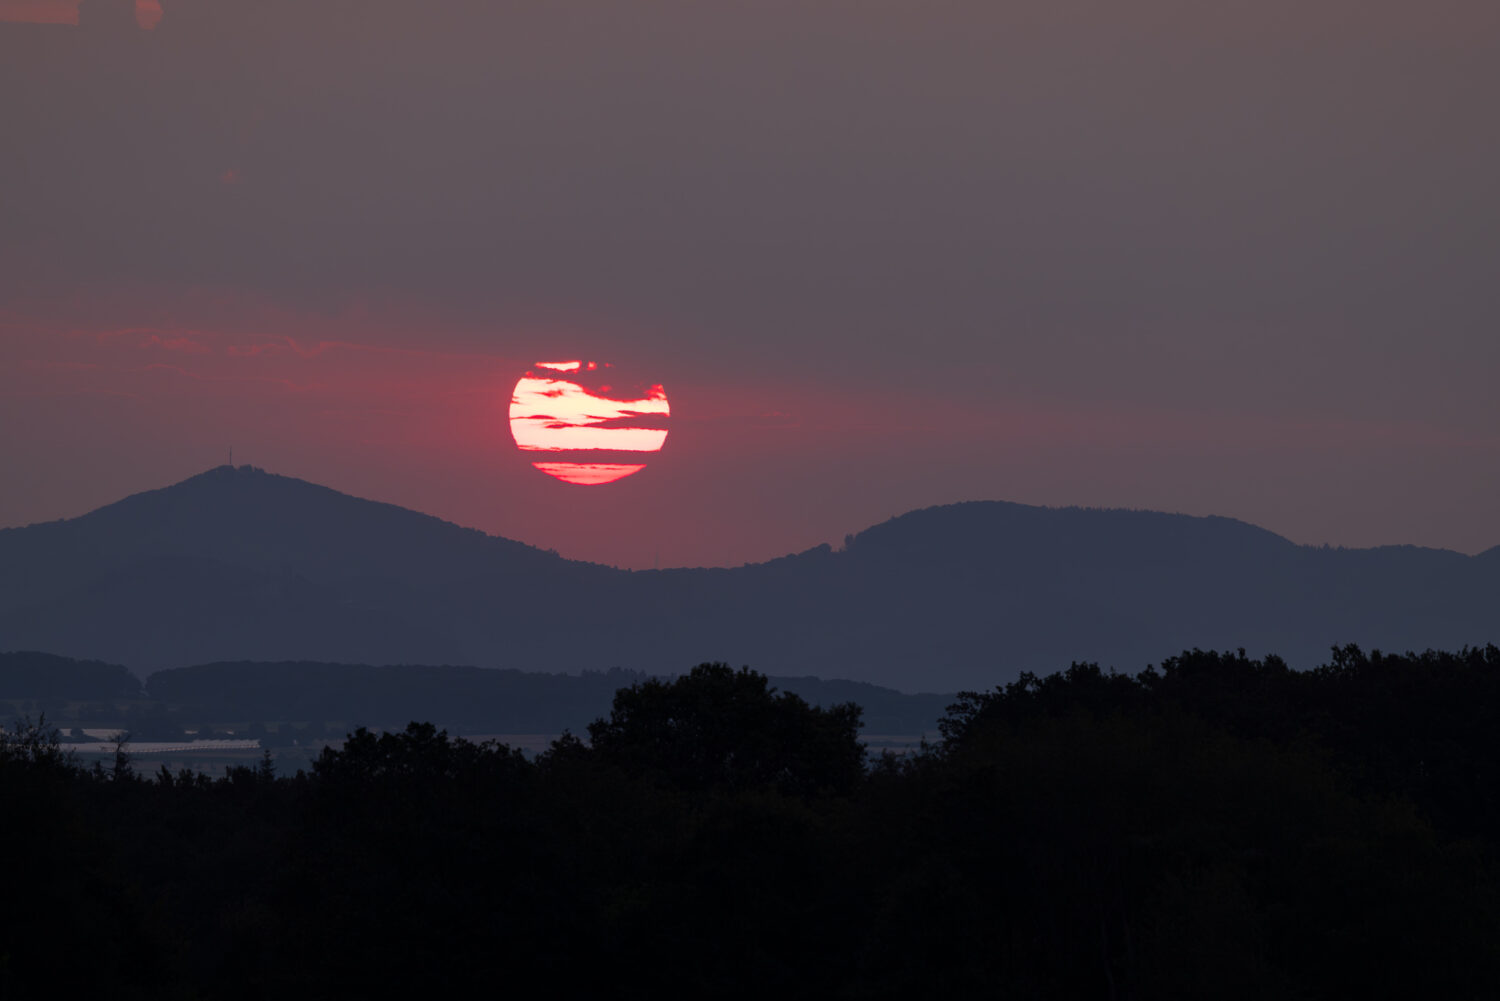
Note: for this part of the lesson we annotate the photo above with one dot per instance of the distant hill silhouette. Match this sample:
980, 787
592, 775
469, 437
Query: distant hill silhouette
461, 699
237, 564
45, 677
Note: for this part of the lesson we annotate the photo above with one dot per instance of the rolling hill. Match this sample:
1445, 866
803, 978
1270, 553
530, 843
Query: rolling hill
237, 564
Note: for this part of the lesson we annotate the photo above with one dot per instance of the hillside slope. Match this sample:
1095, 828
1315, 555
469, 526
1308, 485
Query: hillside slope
239, 564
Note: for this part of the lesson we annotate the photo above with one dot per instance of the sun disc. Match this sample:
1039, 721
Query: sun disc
592, 422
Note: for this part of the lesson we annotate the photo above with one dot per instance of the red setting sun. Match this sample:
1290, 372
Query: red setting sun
595, 426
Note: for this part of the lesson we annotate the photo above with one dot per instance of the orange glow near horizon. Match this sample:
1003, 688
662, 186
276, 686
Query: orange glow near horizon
587, 411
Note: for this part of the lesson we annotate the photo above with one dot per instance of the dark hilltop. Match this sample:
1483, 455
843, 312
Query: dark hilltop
238, 564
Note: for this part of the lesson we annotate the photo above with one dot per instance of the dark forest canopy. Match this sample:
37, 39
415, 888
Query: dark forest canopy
1216, 826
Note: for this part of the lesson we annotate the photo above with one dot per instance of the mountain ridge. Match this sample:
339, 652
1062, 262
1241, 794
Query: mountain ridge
238, 564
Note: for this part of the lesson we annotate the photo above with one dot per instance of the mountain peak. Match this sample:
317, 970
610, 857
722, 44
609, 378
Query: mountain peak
1005, 530
237, 563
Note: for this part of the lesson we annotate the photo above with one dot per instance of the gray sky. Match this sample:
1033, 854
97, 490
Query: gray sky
1236, 259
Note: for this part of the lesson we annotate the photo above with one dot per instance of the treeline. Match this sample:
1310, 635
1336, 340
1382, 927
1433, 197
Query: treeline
310, 701
1218, 826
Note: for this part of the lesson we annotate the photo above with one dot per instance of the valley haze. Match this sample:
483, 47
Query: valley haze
238, 564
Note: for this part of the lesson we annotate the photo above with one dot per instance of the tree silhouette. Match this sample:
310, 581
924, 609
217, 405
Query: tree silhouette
720, 728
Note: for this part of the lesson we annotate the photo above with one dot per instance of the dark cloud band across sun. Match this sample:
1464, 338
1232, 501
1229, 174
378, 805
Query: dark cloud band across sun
583, 409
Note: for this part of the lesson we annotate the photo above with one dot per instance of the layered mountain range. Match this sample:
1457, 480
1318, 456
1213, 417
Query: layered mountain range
237, 564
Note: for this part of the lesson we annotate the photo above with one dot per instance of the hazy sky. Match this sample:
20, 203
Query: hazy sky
1232, 258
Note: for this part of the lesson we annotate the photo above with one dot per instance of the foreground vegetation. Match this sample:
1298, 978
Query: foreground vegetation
1218, 826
